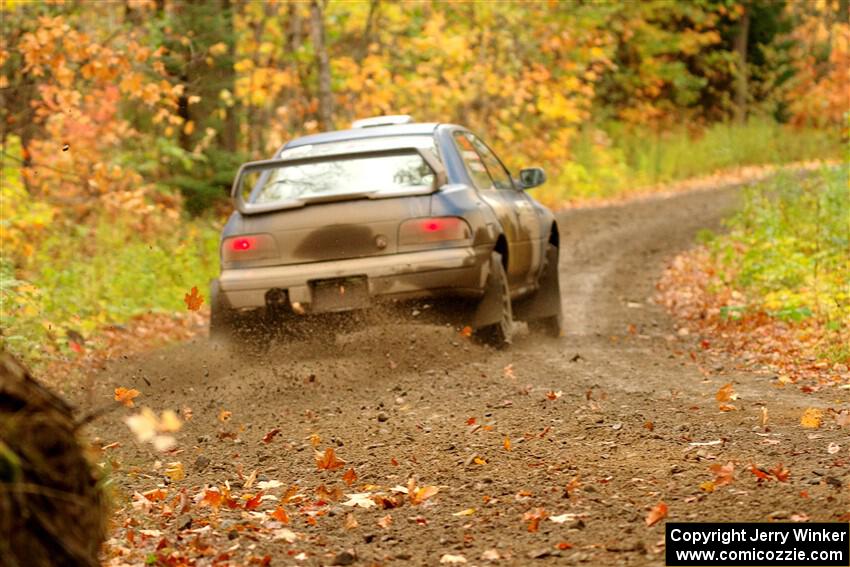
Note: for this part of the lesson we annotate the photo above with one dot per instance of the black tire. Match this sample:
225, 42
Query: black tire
548, 297
497, 293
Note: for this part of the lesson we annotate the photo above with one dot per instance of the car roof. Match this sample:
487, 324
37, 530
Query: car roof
419, 128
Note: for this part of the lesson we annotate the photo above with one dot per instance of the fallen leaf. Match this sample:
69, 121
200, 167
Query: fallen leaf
212, 498
723, 474
350, 477
833, 448
781, 473
533, 518
269, 484
254, 503
726, 407
449, 558
361, 499
224, 415
394, 462
811, 418
125, 396
350, 521
193, 299
562, 545
760, 474
509, 372
573, 485
763, 416
507, 443
385, 521
479, 461
552, 395
657, 513
175, 471
422, 493
315, 439
466, 331
470, 421
187, 413
707, 486
285, 534
249, 482
467, 512
280, 515
328, 461
726, 393
843, 418
323, 493
649, 425
267, 438
560, 519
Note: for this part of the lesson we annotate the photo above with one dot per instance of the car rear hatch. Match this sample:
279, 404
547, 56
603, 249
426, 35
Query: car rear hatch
332, 207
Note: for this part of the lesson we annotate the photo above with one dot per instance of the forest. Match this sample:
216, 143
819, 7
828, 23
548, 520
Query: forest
123, 122
697, 159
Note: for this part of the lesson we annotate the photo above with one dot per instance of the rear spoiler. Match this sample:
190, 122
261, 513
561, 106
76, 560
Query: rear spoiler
247, 208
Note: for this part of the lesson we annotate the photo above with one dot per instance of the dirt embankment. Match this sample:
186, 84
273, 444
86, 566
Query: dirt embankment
551, 452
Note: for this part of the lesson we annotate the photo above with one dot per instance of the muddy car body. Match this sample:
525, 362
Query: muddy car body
341, 221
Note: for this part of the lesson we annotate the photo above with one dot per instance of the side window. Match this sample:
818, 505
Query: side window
472, 160
501, 177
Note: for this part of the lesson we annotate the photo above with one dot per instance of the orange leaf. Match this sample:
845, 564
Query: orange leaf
385, 521
659, 512
553, 395
349, 477
193, 299
421, 494
781, 473
723, 474
254, 502
470, 421
649, 425
280, 515
394, 462
726, 393
533, 518
125, 396
507, 443
328, 461
224, 415
466, 331
762, 475
212, 498
267, 438
563, 545
155, 494
328, 495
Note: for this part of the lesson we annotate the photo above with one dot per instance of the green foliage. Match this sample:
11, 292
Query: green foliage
616, 160
789, 247
82, 277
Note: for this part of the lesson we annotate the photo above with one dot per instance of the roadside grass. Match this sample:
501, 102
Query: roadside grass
81, 278
614, 161
776, 286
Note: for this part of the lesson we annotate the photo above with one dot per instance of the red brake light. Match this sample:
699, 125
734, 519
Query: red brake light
242, 243
437, 229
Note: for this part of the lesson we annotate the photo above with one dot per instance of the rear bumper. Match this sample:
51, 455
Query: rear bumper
451, 272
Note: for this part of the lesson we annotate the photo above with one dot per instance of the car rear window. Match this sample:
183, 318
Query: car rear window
342, 175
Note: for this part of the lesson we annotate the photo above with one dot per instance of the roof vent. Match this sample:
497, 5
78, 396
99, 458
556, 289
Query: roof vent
382, 121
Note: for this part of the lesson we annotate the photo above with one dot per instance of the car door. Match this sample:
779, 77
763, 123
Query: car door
512, 207
528, 223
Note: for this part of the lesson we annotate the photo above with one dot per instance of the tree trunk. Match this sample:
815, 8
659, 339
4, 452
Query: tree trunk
741, 87
230, 130
317, 31
367, 31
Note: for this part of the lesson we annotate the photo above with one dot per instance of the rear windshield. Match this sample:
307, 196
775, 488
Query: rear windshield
343, 175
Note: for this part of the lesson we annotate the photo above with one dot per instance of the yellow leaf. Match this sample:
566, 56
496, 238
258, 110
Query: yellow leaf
707, 486
175, 471
811, 418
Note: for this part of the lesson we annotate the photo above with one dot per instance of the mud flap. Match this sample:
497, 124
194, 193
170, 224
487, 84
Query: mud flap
546, 301
489, 309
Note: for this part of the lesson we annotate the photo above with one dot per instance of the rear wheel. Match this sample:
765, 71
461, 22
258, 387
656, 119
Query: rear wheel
496, 307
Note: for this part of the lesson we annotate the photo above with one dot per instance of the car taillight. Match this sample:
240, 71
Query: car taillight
243, 243
436, 229
252, 247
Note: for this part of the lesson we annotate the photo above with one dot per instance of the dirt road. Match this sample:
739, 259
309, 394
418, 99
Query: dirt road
633, 422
